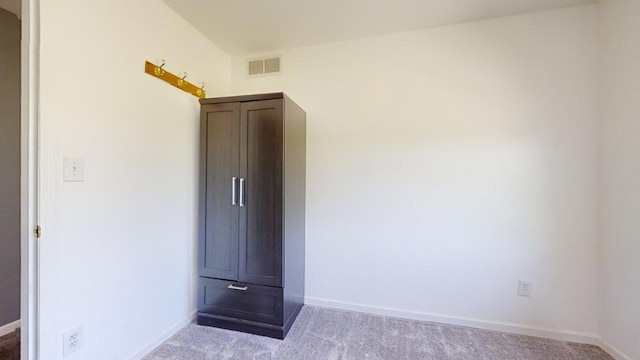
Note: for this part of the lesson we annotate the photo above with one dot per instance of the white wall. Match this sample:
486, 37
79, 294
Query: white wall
446, 164
117, 252
619, 311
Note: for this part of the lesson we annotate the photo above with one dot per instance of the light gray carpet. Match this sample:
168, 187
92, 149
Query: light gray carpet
324, 334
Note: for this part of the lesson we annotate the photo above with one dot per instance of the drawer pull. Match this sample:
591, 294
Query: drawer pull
233, 191
233, 287
242, 192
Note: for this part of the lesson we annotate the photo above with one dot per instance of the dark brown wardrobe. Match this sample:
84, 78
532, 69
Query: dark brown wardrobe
252, 213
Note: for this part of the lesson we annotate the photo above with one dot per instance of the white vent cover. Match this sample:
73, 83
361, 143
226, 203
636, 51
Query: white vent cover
264, 66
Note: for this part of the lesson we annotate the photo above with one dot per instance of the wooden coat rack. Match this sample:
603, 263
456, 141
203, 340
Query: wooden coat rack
179, 82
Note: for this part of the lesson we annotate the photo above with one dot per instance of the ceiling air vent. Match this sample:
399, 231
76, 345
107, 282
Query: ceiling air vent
264, 66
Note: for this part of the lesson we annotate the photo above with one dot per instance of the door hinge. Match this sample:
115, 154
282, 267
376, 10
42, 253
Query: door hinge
37, 231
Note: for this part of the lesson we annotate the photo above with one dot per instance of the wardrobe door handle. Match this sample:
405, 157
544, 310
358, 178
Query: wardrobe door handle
233, 287
241, 192
233, 190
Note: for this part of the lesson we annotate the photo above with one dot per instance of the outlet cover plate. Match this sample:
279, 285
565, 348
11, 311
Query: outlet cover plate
72, 341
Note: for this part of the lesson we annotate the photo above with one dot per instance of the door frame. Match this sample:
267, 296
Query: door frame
29, 178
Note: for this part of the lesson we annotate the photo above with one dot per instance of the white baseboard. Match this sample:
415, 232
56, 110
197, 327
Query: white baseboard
9, 328
162, 338
615, 353
512, 328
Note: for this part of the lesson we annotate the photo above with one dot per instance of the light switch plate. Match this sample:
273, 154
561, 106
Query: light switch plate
73, 169
524, 288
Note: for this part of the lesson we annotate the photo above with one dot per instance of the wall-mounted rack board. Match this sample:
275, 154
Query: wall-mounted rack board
179, 82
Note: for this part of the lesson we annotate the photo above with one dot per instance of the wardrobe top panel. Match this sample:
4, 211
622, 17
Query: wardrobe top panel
241, 98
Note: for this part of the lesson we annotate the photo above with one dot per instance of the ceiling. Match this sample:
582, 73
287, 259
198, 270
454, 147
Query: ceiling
249, 26
11, 5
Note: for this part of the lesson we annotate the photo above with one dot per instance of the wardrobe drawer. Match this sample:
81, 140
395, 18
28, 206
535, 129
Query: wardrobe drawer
240, 300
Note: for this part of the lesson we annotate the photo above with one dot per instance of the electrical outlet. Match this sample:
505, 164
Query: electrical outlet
524, 288
72, 341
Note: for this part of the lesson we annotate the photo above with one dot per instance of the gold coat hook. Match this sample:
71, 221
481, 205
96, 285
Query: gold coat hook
158, 70
200, 91
181, 82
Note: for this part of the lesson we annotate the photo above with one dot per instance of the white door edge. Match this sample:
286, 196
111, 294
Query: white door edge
29, 182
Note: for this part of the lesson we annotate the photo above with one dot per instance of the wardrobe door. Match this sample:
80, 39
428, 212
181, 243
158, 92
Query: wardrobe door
221, 161
261, 157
